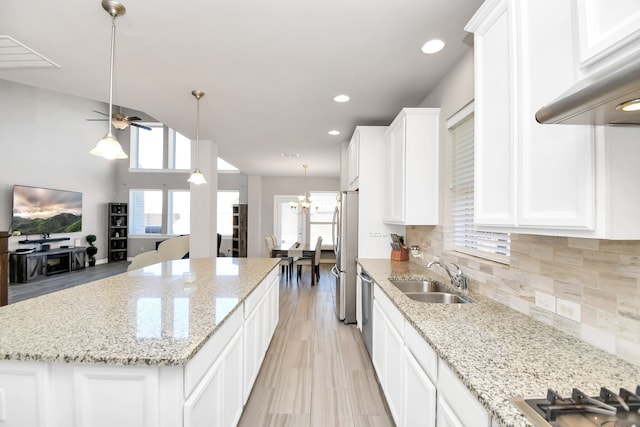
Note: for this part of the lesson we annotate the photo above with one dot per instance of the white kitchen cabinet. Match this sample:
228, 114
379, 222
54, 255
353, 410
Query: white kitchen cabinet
354, 160
24, 400
410, 168
260, 321
446, 416
218, 398
528, 174
419, 406
551, 179
373, 233
420, 376
458, 406
606, 34
388, 343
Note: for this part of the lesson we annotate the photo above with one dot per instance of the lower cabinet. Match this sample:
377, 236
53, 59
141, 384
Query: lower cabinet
218, 398
207, 391
419, 388
456, 405
261, 319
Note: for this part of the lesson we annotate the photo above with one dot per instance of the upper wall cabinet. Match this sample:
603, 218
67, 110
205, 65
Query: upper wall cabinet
410, 168
607, 33
354, 160
551, 179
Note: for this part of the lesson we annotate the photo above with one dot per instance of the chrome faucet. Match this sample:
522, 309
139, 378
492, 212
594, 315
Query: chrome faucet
459, 280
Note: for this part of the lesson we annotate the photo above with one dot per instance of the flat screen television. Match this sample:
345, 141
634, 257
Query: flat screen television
46, 211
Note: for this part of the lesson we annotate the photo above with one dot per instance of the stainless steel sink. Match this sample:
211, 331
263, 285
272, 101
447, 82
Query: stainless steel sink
428, 291
436, 297
419, 286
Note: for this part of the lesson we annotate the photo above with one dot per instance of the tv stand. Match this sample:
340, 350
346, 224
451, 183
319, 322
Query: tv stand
55, 239
29, 266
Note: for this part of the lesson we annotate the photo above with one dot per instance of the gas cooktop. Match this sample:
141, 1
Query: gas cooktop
608, 409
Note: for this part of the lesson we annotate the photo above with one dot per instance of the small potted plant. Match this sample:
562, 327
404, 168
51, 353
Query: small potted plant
91, 250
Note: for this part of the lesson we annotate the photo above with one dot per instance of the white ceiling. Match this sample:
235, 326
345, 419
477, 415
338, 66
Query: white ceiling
269, 69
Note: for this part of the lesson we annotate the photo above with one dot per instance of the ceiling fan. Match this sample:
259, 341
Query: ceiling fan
121, 121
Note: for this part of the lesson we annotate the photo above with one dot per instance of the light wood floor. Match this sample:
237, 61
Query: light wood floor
316, 371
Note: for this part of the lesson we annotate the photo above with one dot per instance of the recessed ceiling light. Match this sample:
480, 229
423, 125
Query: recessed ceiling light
290, 154
341, 98
433, 46
632, 105
334, 132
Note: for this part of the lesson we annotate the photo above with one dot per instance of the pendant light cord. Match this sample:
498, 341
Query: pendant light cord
197, 132
113, 47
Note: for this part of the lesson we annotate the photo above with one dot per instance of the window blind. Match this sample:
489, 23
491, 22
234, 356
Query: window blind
465, 236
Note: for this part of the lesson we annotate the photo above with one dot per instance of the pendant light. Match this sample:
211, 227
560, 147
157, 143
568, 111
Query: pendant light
197, 177
109, 147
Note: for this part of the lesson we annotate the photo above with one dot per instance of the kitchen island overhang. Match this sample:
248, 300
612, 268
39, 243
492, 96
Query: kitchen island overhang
145, 334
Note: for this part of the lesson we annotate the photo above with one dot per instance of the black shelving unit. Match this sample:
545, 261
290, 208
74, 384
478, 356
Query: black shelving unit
118, 214
239, 240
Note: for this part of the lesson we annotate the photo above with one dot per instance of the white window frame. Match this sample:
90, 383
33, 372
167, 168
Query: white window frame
487, 244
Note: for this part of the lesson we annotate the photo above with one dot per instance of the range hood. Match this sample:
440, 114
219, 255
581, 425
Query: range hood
594, 100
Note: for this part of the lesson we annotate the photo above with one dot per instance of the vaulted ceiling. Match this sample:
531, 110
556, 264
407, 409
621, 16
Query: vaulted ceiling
269, 69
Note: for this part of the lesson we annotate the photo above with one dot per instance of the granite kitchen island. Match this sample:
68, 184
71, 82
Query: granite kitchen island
143, 348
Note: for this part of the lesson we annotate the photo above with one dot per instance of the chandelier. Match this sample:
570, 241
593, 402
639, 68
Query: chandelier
303, 204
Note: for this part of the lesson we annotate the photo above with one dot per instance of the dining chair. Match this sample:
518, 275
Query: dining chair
286, 263
313, 262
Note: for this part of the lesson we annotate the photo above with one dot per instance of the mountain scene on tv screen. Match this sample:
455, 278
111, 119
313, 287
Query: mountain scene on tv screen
62, 223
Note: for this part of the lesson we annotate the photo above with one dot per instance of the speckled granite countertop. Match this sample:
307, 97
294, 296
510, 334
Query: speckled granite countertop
499, 353
148, 316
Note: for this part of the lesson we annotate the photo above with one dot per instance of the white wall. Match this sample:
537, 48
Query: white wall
45, 142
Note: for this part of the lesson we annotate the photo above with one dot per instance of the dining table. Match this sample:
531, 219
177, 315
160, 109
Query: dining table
295, 251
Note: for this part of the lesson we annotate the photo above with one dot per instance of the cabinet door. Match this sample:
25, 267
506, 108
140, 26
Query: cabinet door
556, 165
218, 398
495, 117
254, 327
388, 360
419, 394
606, 31
24, 394
393, 172
354, 160
394, 365
446, 416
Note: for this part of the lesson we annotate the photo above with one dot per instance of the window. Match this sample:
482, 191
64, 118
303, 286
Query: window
464, 236
178, 211
179, 151
226, 200
145, 211
147, 147
320, 221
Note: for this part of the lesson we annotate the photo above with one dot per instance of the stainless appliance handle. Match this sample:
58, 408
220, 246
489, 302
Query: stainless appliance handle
334, 271
334, 230
365, 278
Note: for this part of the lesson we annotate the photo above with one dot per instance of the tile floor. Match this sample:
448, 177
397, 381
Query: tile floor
316, 371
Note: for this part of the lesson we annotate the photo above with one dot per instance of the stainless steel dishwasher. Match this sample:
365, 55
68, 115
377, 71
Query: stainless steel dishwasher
367, 311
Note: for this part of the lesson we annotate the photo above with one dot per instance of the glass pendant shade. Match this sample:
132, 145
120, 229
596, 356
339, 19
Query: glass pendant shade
197, 177
109, 148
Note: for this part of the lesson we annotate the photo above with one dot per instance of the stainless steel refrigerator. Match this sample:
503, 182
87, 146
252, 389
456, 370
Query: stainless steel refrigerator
345, 246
